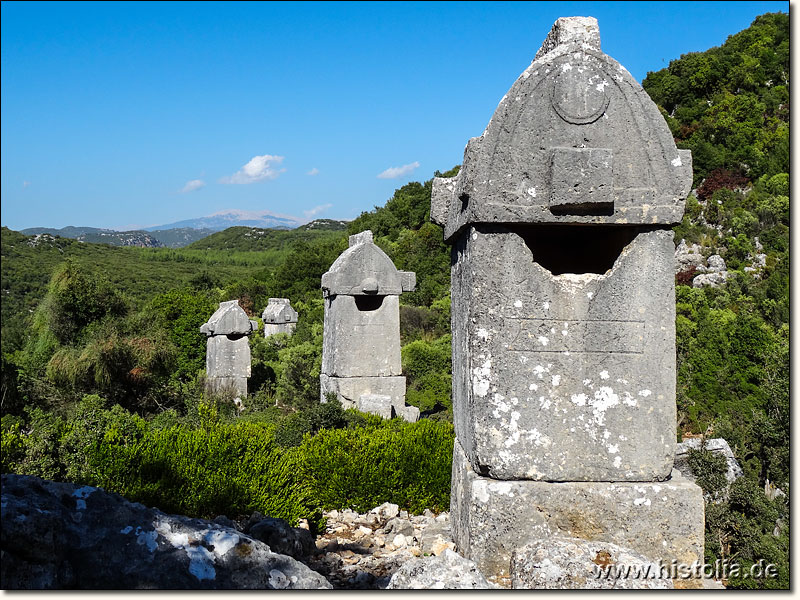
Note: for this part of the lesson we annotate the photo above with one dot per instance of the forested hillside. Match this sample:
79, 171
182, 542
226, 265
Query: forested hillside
103, 362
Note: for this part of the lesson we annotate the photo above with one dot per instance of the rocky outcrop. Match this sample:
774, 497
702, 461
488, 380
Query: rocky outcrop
717, 446
576, 564
448, 571
66, 536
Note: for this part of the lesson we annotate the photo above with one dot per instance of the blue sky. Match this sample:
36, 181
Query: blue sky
121, 115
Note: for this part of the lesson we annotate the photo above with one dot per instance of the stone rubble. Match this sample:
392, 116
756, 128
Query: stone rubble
363, 551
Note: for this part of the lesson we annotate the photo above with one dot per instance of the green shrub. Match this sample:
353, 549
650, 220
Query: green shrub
404, 463
709, 469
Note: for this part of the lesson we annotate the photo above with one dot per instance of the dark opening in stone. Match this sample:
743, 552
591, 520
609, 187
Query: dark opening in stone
576, 248
234, 336
368, 303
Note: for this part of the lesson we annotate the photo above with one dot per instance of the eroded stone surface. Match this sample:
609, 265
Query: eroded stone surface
491, 518
576, 564
448, 571
67, 536
567, 377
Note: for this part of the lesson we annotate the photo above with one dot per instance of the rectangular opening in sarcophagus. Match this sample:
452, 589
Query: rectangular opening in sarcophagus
576, 249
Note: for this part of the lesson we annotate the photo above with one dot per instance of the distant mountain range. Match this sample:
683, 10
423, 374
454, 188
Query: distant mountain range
182, 233
231, 218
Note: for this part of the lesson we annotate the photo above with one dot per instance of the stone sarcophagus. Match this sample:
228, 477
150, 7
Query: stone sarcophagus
563, 304
361, 336
279, 317
228, 349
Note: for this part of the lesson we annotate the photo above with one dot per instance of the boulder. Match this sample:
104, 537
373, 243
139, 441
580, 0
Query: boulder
283, 538
713, 280
688, 255
67, 536
448, 571
574, 564
717, 445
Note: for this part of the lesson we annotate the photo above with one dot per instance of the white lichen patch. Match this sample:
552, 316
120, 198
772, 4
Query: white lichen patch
613, 449
533, 387
676, 162
544, 403
579, 399
587, 382
481, 379
480, 490
546, 306
556, 380
604, 375
566, 67
604, 398
641, 501
531, 192
645, 393
538, 438
518, 304
543, 340
81, 494
628, 399
617, 462
589, 295
201, 559
482, 334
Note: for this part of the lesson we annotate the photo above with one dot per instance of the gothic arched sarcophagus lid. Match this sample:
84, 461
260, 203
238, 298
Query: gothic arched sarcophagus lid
575, 140
364, 269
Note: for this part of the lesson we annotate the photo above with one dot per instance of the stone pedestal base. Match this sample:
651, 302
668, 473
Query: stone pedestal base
491, 518
384, 396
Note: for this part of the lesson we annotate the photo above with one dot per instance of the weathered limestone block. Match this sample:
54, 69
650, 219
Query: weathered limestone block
350, 389
377, 404
228, 356
279, 317
564, 377
575, 564
490, 518
361, 337
361, 333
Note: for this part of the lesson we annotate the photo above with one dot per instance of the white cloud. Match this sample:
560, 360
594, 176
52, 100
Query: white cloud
316, 210
194, 184
394, 172
26, 184
258, 169
314, 171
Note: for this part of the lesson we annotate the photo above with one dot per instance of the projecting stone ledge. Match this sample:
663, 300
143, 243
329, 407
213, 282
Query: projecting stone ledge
661, 521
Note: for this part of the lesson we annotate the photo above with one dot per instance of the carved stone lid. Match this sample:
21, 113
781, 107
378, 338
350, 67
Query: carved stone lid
364, 269
575, 140
229, 319
279, 311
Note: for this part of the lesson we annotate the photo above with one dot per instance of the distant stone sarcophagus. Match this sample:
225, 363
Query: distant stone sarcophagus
279, 317
228, 349
361, 339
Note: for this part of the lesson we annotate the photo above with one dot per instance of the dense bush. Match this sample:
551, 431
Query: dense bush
236, 468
